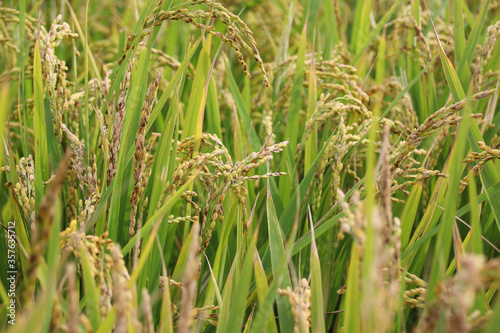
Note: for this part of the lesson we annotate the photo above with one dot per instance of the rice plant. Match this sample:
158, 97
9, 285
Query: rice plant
249, 166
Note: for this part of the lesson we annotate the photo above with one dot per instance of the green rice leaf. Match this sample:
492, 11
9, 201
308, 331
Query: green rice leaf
195, 110
92, 309
234, 321
489, 174
291, 130
41, 155
277, 251
317, 311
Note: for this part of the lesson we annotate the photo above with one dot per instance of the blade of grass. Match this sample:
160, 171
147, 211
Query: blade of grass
459, 31
183, 257
262, 290
158, 215
234, 321
4, 112
222, 252
475, 232
266, 306
91, 292
480, 199
277, 252
22, 80
444, 238
83, 39
409, 214
41, 155
156, 110
375, 32
84, 121
214, 281
291, 130
166, 312
477, 243
489, 175
352, 319
495, 321
472, 41
145, 251
361, 25
317, 311
108, 323
196, 107
119, 197
213, 110
311, 148
243, 113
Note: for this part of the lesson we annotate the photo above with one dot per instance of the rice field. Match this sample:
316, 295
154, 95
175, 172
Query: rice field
249, 166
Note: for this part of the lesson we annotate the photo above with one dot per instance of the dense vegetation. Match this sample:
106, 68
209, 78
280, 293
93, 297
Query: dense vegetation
266, 166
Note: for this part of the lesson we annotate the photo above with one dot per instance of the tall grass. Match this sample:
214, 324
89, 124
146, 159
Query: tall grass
251, 166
